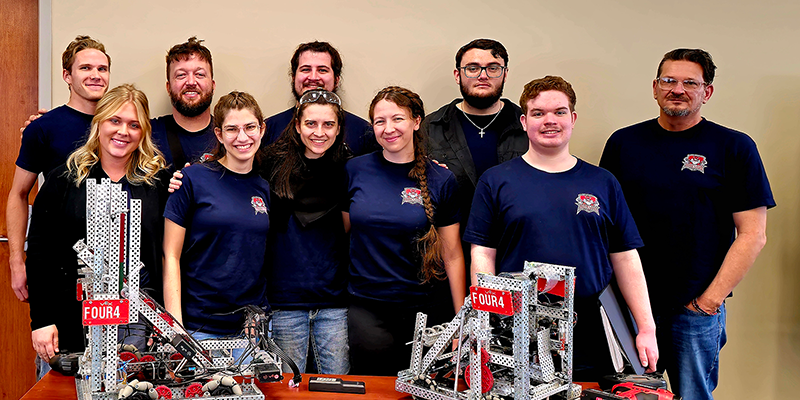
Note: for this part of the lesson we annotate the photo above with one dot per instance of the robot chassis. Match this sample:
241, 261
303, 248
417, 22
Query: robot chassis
112, 297
523, 351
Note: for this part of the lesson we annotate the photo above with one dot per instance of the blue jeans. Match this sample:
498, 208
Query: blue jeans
324, 329
689, 345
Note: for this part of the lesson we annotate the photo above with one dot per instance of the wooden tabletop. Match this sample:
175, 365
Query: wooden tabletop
57, 386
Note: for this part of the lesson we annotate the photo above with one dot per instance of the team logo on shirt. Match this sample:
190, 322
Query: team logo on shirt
205, 157
411, 196
258, 204
695, 162
587, 202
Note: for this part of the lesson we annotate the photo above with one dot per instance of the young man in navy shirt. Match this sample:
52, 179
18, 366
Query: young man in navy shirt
48, 141
552, 207
700, 194
318, 65
187, 135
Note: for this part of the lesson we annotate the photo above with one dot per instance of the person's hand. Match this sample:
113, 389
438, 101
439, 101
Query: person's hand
443, 165
19, 279
32, 118
175, 182
45, 342
648, 349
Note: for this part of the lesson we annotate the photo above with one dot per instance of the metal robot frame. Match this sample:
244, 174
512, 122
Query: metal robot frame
538, 362
113, 239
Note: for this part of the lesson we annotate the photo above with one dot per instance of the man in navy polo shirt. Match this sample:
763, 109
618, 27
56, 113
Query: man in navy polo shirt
187, 135
319, 65
700, 194
48, 141
549, 206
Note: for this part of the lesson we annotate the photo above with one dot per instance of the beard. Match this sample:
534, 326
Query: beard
482, 102
191, 110
673, 112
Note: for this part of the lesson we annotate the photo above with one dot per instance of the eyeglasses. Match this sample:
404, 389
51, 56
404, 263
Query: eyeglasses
314, 95
666, 83
492, 71
232, 131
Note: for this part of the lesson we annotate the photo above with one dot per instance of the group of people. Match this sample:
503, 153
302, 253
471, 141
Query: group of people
344, 228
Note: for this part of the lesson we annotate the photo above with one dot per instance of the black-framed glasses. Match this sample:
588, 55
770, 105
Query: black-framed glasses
492, 71
314, 96
667, 83
232, 131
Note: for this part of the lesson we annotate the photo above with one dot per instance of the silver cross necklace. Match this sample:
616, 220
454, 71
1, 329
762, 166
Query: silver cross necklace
482, 130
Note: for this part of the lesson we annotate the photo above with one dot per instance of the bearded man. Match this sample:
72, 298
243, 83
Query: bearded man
187, 134
473, 134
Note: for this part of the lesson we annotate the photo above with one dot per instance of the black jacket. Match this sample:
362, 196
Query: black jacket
57, 222
448, 145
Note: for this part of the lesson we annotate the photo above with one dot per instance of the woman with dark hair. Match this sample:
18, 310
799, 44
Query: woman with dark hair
120, 148
403, 219
216, 228
306, 255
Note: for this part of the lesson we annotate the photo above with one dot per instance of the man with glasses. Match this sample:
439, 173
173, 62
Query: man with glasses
187, 135
318, 65
699, 194
480, 130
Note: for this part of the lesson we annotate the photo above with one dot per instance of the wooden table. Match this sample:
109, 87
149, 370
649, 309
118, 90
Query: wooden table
57, 386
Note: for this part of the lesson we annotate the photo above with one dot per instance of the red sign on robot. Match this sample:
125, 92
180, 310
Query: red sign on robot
491, 300
105, 312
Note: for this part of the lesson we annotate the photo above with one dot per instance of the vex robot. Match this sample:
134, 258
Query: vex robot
514, 341
180, 366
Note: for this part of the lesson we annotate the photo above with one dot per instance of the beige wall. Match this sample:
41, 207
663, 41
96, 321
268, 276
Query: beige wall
608, 50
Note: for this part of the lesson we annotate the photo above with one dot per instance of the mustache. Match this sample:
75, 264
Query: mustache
678, 97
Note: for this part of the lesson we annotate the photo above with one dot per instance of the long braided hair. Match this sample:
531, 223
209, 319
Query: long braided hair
430, 244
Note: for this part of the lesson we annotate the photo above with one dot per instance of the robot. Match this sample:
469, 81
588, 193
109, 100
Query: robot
180, 366
514, 341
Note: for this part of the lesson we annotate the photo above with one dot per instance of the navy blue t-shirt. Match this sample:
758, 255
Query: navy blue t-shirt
194, 144
387, 217
226, 216
573, 218
358, 133
683, 188
307, 248
49, 140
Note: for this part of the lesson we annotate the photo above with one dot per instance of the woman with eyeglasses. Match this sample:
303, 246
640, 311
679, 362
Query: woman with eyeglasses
216, 226
307, 253
119, 148
403, 218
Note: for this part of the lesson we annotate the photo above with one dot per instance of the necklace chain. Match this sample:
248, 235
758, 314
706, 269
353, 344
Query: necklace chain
482, 130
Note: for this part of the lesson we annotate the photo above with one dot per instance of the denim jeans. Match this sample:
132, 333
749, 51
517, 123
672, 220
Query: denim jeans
324, 330
689, 346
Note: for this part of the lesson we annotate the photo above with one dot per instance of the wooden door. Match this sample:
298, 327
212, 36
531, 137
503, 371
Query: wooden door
19, 44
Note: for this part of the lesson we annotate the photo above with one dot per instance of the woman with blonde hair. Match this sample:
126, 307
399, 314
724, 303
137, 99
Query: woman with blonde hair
120, 148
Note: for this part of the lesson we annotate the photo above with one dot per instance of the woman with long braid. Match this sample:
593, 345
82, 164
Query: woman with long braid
403, 219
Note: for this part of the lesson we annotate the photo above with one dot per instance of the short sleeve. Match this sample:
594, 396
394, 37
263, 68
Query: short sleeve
625, 235
179, 203
447, 207
482, 217
33, 150
749, 186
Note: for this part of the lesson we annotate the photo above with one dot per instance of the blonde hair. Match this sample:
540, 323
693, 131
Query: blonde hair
144, 162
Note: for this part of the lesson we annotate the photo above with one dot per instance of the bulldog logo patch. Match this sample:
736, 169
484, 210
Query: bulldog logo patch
695, 162
587, 202
411, 196
258, 204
